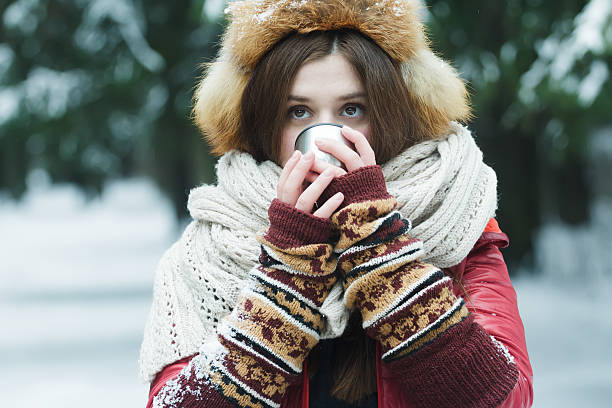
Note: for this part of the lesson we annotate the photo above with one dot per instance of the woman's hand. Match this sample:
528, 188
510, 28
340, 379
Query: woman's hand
290, 188
364, 156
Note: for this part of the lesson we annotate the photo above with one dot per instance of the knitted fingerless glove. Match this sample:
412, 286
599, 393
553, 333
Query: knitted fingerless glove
427, 335
276, 322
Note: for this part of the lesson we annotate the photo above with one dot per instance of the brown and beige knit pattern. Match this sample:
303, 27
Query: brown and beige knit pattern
427, 336
276, 321
403, 301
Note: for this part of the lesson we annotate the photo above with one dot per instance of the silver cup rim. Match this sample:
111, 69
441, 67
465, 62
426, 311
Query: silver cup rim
315, 125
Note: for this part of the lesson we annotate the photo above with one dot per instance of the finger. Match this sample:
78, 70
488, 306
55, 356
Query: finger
292, 188
311, 176
342, 152
361, 143
289, 166
320, 165
330, 206
306, 200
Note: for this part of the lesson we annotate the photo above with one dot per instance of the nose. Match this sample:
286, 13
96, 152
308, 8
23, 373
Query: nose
327, 116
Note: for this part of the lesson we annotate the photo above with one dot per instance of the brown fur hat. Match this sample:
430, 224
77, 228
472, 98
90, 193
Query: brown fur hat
257, 25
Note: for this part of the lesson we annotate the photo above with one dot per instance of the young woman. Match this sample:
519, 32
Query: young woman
300, 283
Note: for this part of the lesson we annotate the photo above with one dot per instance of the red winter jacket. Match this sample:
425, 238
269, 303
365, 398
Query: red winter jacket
490, 298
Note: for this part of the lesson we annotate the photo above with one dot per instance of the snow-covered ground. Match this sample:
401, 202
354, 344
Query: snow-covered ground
568, 329
75, 288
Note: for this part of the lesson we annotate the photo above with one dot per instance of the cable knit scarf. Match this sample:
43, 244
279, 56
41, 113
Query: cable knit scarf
442, 186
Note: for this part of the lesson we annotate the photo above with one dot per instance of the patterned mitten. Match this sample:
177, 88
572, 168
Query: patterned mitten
426, 333
263, 343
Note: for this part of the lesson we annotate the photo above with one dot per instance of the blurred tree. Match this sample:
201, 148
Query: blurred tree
540, 87
96, 89
92, 90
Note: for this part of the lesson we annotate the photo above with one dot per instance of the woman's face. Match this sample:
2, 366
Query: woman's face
324, 90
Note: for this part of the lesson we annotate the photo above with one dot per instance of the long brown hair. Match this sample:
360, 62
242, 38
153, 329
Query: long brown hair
393, 113
394, 126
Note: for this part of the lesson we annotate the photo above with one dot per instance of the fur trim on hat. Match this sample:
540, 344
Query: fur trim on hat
257, 25
217, 107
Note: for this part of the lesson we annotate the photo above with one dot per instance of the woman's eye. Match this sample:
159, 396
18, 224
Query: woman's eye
352, 111
299, 113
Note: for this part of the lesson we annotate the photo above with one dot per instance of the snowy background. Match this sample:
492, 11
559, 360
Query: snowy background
76, 272
75, 289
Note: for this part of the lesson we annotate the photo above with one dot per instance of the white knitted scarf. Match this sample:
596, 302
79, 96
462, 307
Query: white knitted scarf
442, 186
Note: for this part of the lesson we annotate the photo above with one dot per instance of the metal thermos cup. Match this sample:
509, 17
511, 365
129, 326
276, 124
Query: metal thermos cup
305, 141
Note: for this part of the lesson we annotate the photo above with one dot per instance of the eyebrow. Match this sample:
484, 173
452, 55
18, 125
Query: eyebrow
353, 95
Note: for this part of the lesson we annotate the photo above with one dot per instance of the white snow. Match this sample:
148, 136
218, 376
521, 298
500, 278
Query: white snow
75, 289
591, 85
21, 15
7, 56
559, 53
9, 103
45, 92
50, 93
213, 9
131, 24
568, 330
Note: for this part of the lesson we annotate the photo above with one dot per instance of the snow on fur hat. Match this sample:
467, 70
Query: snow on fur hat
257, 25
